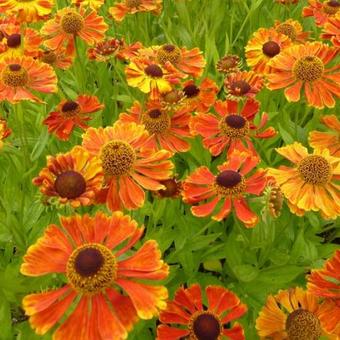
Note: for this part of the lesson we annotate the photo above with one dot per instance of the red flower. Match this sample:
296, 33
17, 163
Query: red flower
228, 188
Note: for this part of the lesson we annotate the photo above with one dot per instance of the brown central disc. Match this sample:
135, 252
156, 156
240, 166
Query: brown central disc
70, 184
14, 40
240, 87
191, 90
88, 262
154, 71
155, 113
235, 121
271, 49
206, 327
228, 178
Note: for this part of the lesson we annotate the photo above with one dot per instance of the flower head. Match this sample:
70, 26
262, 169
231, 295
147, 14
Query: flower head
72, 113
127, 164
97, 258
293, 314
72, 178
311, 183
57, 58
199, 321
28, 10
121, 9
321, 11
231, 126
331, 30
306, 66
226, 189
20, 75
329, 139
292, 29
230, 63
263, 46
167, 130
70, 23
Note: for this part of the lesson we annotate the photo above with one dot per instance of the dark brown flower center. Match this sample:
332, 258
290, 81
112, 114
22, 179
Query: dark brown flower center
171, 188
228, 178
88, 262
14, 75
240, 87
271, 49
117, 158
235, 121
331, 7
14, 40
315, 170
206, 327
303, 325
154, 71
49, 57
228, 63
70, 108
70, 184
154, 113
308, 68
169, 53
287, 30
191, 91
72, 22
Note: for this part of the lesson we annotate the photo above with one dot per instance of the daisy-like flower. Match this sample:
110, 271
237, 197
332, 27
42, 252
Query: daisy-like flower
321, 11
325, 282
190, 62
311, 183
167, 131
4, 131
127, 164
106, 49
329, 139
121, 9
201, 97
28, 10
151, 77
231, 127
294, 314
72, 113
72, 178
186, 317
243, 84
70, 23
229, 188
292, 29
173, 188
12, 44
20, 75
94, 4
56, 58
263, 46
96, 257
230, 63
306, 66
331, 30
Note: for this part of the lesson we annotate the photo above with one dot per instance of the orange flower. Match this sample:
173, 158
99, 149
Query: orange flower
127, 164
321, 11
292, 29
190, 62
4, 131
167, 130
329, 140
104, 50
121, 9
240, 85
151, 77
11, 45
263, 46
307, 66
20, 75
294, 314
72, 178
70, 114
94, 4
200, 98
27, 11
311, 184
56, 58
95, 256
325, 282
231, 126
229, 187
69, 24
230, 63
198, 321
331, 30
